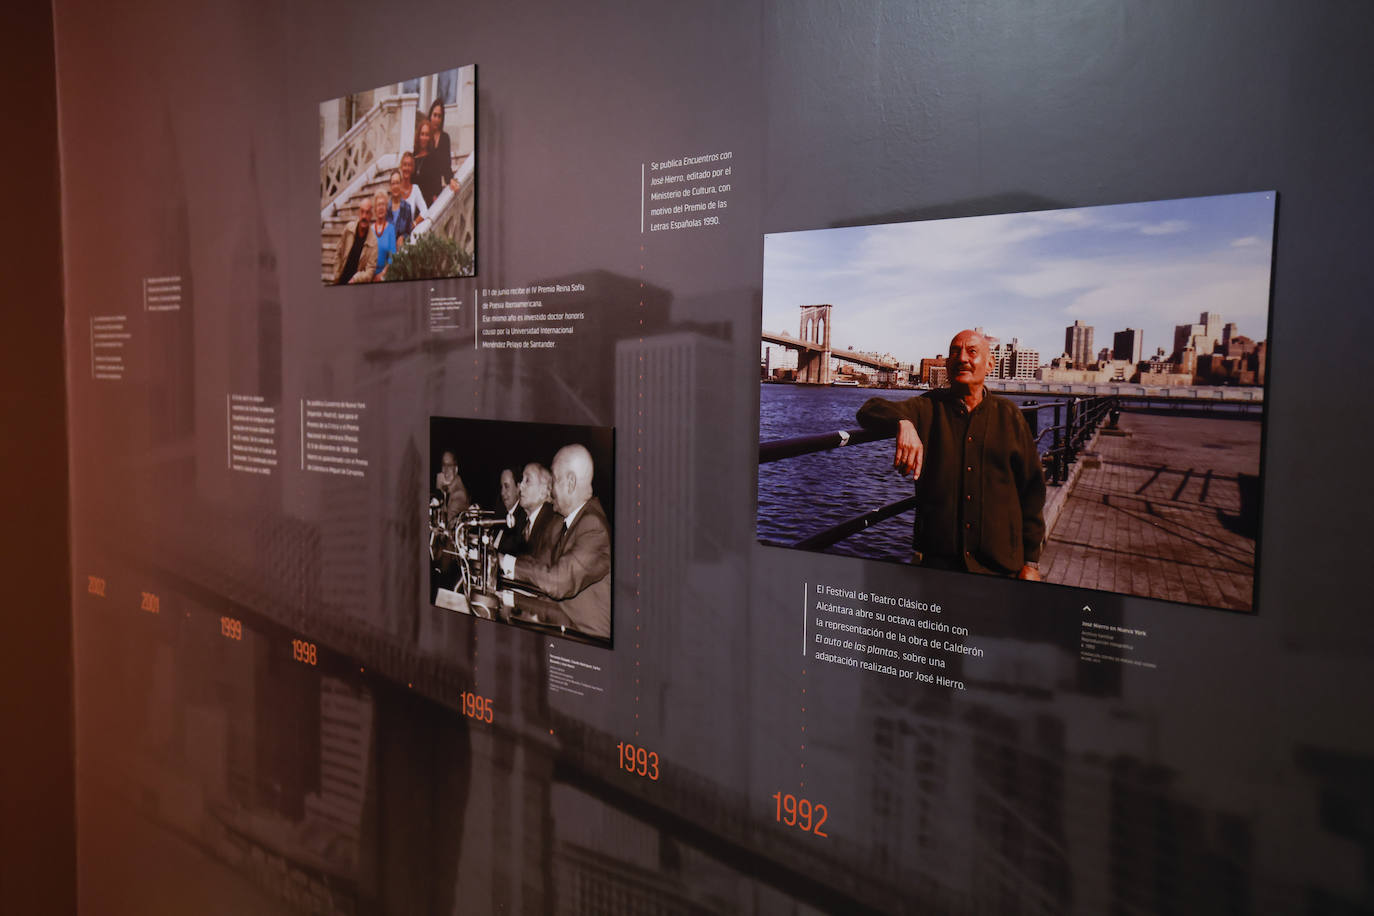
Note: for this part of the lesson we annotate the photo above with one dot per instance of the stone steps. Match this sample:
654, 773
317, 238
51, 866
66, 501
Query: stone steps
345, 213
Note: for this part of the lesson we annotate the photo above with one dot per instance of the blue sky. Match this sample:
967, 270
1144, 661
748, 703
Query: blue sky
907, 288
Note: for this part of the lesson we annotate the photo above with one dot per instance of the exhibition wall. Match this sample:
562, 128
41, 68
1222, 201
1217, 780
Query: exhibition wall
730, 457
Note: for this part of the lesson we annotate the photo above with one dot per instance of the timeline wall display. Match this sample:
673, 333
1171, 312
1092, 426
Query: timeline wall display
663, 545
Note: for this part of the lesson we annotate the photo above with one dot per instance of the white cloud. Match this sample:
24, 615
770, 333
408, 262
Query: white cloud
907, 288
1166, 227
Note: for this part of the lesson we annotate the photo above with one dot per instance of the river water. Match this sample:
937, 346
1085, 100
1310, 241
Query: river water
800, 496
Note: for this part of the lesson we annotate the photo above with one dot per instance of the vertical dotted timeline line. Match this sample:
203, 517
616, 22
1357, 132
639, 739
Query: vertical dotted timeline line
476, 382
801, 769
639, 490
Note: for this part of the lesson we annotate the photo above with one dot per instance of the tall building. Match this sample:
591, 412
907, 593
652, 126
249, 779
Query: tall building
1078, 344
1230, 332
1025, 362
1203, 337
927, 371
1128, 344
1013, 361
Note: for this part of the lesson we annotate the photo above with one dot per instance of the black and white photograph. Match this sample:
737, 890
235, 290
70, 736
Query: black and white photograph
521, 519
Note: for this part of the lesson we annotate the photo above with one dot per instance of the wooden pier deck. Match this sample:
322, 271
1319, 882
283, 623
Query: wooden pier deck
1163, 507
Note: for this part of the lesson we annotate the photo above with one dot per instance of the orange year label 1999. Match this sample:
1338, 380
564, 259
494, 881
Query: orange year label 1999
150, 603
304, 652
801, 813
231, 627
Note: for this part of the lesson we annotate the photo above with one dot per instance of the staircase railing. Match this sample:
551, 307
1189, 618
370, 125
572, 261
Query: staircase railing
452, 214
387, 128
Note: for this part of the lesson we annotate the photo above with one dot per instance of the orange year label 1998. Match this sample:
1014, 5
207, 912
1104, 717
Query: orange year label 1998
304, 652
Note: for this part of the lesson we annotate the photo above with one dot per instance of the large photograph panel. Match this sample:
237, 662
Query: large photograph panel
398, 192
1074, 396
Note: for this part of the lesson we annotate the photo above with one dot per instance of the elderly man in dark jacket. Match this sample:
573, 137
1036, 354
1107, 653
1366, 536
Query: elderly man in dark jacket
979, 485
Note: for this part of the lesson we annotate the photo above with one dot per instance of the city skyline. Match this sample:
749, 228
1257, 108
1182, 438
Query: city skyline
907, 288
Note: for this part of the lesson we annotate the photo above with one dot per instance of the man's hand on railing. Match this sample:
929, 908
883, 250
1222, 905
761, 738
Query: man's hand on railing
911, 453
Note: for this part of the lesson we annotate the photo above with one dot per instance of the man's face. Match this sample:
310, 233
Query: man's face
968, 359
395, 186
365, 214
449, 464
510, 493
561, 488
533, 491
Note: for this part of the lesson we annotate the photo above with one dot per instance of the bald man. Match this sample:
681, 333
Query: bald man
356, 256
576, 571
979, 486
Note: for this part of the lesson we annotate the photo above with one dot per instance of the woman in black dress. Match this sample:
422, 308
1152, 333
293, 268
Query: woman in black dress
434, 169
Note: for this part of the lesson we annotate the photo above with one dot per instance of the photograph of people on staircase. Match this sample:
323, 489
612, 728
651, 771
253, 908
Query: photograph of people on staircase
398, 193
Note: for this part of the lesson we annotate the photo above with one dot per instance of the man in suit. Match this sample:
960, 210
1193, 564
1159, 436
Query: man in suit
543, 523
508, 538
577, 571
447, 481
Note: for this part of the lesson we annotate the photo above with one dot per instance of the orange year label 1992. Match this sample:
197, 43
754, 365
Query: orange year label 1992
802, 813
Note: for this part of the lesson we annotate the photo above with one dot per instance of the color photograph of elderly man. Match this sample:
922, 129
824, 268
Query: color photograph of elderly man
978, 478
1100, 426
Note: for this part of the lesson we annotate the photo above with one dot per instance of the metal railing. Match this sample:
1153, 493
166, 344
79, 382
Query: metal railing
1072, 423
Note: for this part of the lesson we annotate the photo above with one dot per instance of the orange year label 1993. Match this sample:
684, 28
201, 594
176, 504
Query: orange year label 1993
638, 760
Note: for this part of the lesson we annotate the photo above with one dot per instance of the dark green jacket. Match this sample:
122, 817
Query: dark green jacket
981, 491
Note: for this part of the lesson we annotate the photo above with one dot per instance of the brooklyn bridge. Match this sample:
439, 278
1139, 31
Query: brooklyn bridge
815, 351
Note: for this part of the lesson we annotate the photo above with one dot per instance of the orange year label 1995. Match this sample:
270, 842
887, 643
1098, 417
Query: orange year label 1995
150, 603
95, 586
231, 627
476, 707
304, 652
801, 813
638, 760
